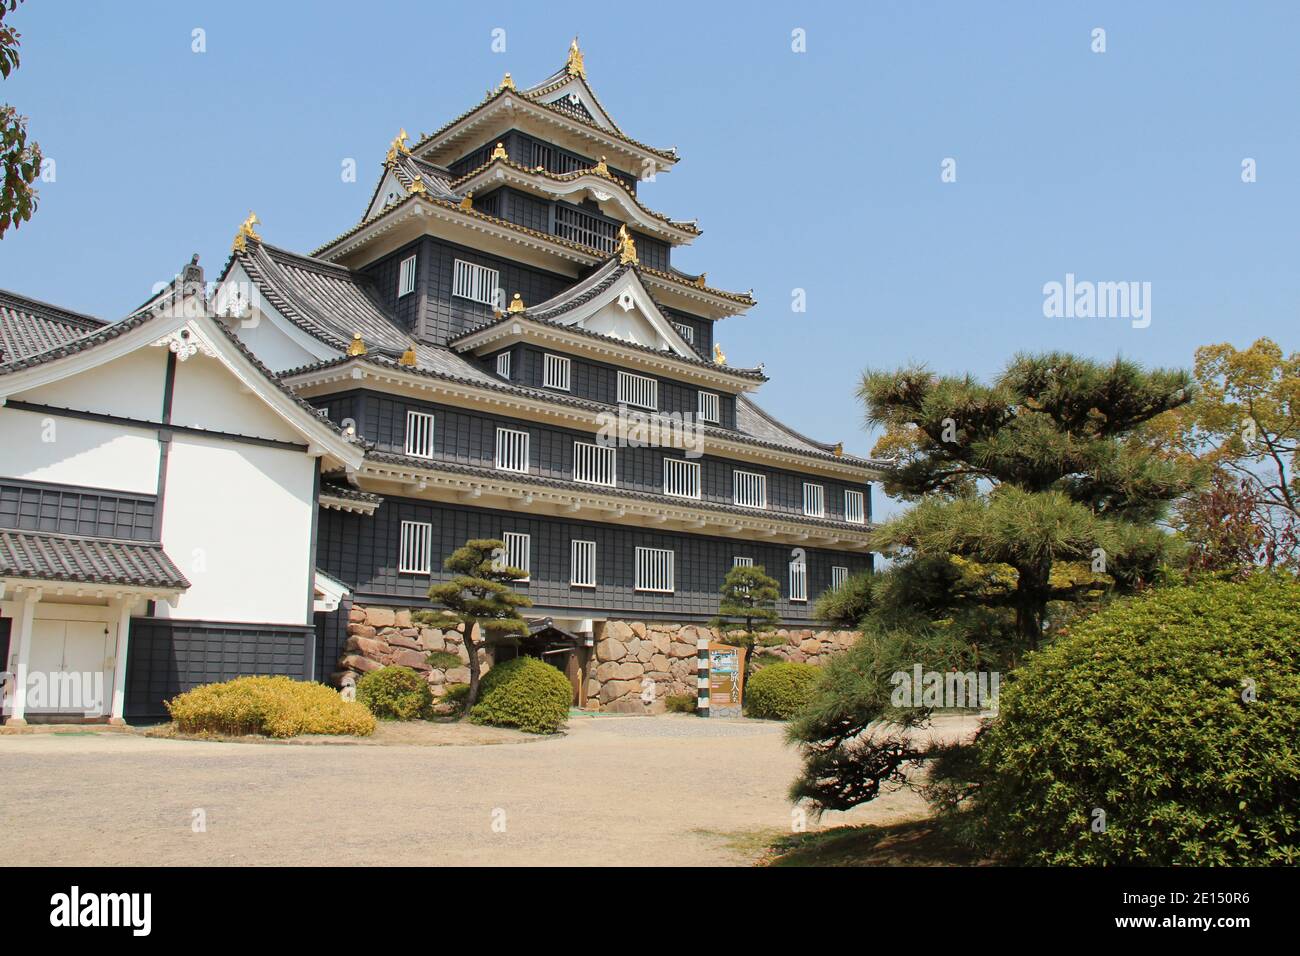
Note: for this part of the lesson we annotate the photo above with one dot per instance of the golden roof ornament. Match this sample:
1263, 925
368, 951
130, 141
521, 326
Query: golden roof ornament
838, 450
417, 185
467, 202
516, 304
701, 280
397, 149
356, 346
600, 169
500, 152
574, 65
626, 248
245, 233
719, 356
507, 83
408, 357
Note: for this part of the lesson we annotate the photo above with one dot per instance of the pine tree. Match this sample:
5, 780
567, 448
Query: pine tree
747, 610
480, 597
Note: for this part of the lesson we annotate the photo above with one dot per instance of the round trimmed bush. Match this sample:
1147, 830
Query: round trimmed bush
395, 693
524, 693
274, 706
1174, 715
778, 691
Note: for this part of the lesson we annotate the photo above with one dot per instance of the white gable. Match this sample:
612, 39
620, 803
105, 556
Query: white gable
277, 342
625, 311
390, 191
574, 91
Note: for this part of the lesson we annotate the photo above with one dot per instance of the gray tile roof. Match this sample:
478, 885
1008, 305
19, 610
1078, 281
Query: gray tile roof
29, 327
85, 560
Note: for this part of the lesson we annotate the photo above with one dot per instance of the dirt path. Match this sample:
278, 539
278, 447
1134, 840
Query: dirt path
614, 791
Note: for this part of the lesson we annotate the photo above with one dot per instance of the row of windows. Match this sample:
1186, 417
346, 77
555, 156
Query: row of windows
654, 567
598, 465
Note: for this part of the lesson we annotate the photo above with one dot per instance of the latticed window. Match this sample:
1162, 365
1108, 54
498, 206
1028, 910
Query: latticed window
503, 364
739, 562
685, 331
855, 508
414, 556
798, 581
471, 281
710, 407
583, 228
419, 434
750, 489
681, 478
595, 464
406, 277
555, 372
654, 569
839, 576
639, 390
814, 500
518, 552
512, 450
582, 564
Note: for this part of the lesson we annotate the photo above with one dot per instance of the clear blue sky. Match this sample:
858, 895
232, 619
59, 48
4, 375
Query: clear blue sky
818, 170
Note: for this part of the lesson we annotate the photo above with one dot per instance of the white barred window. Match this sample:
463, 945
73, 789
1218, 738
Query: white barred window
518, 548
555, 372
654, 569
750, 489
798, 581
415, 547
681, 478
582, 564
687, 332
512, 450
503, 364
814, 500
739, 562
855, 509
839, 576
419, 434
406, 277
639, 390
709, 407
595, 464
475, 282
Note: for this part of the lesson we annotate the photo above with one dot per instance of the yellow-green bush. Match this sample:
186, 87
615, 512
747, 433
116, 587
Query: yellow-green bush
524, 693
272, 706
778, 691
395, 693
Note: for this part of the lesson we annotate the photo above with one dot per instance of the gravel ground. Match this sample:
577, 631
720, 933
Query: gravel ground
613, 791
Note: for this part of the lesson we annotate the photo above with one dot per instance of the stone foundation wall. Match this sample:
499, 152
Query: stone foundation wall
381, 636
628, 652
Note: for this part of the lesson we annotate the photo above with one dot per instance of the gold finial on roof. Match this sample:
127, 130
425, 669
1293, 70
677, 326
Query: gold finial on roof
719, 356
246, 232
467, 202
516, 304
574, 65
507, 83
701, 280
838, 450
397, 148
600, 169
500, 152
417, 185
408, 357
626, 248
356, 346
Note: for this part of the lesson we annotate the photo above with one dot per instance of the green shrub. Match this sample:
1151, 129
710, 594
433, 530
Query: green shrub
444, 660
274, 706
680, 703
1139, 714
846, 606
395, 693
524, 693
455, 697
778, 691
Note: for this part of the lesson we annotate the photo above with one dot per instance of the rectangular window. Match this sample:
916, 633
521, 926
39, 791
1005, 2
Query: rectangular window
654, 569
512, 450
687, 332
595, 464
798, 581
518, 548
582, 564
749, 489
839, 576
419, 434
739, 562
503, 364
709, 407
639, 390
681, 478
406, 277
475, 282
555, 372
416, 539
814, 500
854, 507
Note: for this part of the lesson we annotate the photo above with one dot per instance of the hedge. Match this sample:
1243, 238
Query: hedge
395, 693
273, 706
524, 693
778, 691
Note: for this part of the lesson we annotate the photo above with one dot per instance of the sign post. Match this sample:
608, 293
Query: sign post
718, 678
